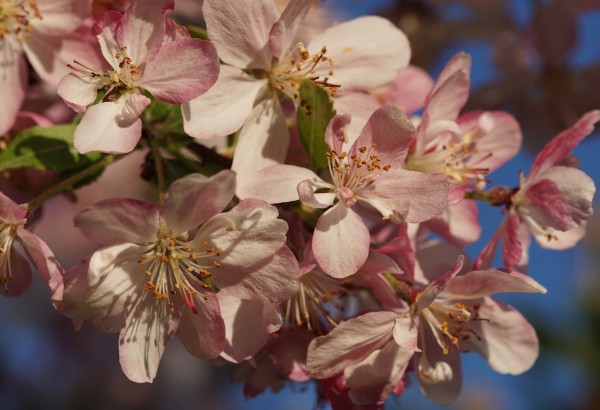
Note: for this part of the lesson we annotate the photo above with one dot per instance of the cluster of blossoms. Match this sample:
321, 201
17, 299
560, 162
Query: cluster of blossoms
342, 262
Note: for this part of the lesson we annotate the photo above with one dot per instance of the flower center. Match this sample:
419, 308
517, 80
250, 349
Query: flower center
458, 160
354, 172
287, 76
449, 322
175, 268
308, 308
114, 83
15, 16
7, 237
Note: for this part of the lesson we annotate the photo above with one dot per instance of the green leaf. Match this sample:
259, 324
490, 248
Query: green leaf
48, 148
313, 115
198, 32
163, 119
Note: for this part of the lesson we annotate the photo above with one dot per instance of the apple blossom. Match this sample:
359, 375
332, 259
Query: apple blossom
15, 273
156, 278
553, 203
266, 63
39, 31
368, 171
141, 46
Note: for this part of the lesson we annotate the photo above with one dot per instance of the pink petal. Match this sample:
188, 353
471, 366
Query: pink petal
275, 184
434, 257
561, 145
263, 140
459, 62
459, 223
103, 289
341, 241
196, 70
405, 334
349, 343
373, 379
557, 240
486, 257
408, 196
283, 32
562, 199
106, 31
501, 139
247, 325
224, 108
271, 280
409, 89
240, 30
10, 212
78, 91
511, 245
13, 75
203, 334
246, 235
60, 17
477, 284
448, 100
508, 342
306, 193
119, 220
440, 376
388, 133
149, 325
335, 133
44, 261
111, 127
431, 292
359, 45
359, 106
142, 28
193, 199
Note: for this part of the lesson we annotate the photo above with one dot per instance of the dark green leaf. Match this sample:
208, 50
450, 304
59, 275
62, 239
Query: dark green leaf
314, 113
49, 148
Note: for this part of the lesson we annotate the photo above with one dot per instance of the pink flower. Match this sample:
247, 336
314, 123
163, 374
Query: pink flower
145, 52
368, 171
553, 203
15, 273
265, 63
371, 351
455, 315
38, 29
451, 314
464, 147
156, 278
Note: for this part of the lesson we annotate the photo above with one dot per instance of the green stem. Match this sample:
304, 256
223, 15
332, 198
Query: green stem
402, 289
160, 170
69, 182
478, 196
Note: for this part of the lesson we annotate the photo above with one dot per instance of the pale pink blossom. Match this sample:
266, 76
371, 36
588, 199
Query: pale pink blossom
452, 314
553, 203
455, 314
265, 63
369, 171
39, 30
463, 147
145, 51
407, 91
18, 248
156, 278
